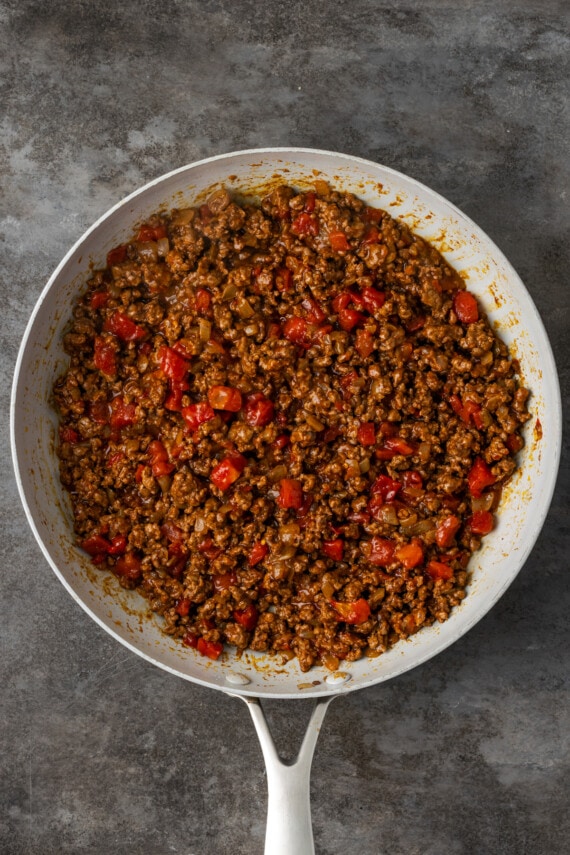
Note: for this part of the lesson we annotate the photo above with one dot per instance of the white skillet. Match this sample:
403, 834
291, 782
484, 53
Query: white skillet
124, 614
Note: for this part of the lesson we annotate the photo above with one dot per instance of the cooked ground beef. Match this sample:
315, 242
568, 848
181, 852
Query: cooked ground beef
287, 425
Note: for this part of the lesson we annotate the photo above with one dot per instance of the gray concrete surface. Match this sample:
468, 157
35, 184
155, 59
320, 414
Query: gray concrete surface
102, 753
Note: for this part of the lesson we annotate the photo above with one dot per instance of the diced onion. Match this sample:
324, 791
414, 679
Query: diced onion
147, 250
485, 503
313, 422
229, 292
205, 329
387, 514
278, 472
162, 247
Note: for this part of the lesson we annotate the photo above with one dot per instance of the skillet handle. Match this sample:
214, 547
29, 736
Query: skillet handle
289, 830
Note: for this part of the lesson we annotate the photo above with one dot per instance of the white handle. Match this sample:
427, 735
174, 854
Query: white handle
289, 830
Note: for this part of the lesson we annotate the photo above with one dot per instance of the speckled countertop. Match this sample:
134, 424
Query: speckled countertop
101, 752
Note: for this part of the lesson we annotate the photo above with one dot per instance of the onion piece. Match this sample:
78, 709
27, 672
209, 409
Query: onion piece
205, 329
147, 250
484, 503
162, 247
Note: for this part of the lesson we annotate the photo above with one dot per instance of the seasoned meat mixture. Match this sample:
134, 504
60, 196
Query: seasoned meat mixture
287, 425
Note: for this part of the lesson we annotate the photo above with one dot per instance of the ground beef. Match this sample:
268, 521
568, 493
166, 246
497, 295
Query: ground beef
287, 425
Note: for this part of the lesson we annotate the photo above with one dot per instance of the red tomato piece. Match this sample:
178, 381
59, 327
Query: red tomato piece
211, 649
224, 581
203, 301
313, 311
172, 364
439, 570
95, 545
197, 414
373, 299
465, 307
334, 549
298, 331
479, 477
339, 241
372, 235
283, 279
147, 233
123, 327
191, 639
258, 553
99, 412
341, 301
373, 215
116, 255
290, 494
364, 343
446, 531
412, 478
382, 551
305, 224
410, 555
310, 199
259, 410
227, 471
350, 318
104, 355
118, 545
68, 434
129, 566
387, 488
225, 398
281, 442
247, 617
481, 522
173, 400
159, 462
207, 548
514, 442
366, 433
182, 606
99, 299
353, 613
398, 445
122, 414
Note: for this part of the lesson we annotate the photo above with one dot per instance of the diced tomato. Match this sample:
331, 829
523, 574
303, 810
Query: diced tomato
104, 355
446, 531
283, 279
382, 551
465, 307
412, 478
118, 545
172, 532
99, 299
305, 224
259, 410
398, 445
139, 473
439, 570
372, 235
116, 255
182, 606
341, 301
211, 649
339, 241
298, 331
123, 327
386, 487
359, 517
197, 414
472, 413
225, 398
191, 639
366, 433
373, 215
305, 507
410, 555
247, 617
209, 549
99, 411
481, 522
334, 549
479, 477
416, 323
313, 311
373, 299
364, 343
224, 581
514, 442
173, 400
353, 613
227, 471
281, 442
310, 199
147, 233
172, 364
290, 493
258, 553
122, 414
159, 462
129, 566
350, 318
202, 301
96, 545
68, 434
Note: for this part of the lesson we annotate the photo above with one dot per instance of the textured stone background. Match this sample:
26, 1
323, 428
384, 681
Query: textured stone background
102, 753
